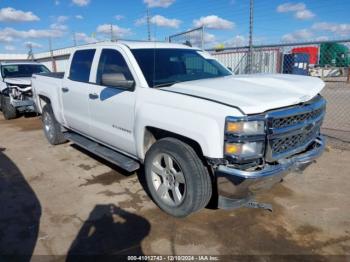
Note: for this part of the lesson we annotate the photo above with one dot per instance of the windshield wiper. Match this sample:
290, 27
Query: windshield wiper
167, 84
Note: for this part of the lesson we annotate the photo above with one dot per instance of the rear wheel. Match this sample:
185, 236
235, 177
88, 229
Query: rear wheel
52, 128
177, 179
8, 110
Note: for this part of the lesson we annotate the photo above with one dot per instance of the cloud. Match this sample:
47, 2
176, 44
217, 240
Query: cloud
119, 17
10, 48
59, 23
9, 34
289, 7
4, 37
159, 20
337, 29
299, 9
165, 22
32, 44
81, 2
85, 38
213, 22
304, 14
322, 38
159, 3
9, 14
80, 17
238, 40
61, 19
297, 36
57, 2
57, 26
117, 31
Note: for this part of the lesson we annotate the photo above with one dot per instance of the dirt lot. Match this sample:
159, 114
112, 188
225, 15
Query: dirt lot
62, 201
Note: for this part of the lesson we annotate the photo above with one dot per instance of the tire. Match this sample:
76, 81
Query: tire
52, 129
8, 110
176, 194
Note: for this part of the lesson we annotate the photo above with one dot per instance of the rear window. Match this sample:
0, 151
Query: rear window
81, 65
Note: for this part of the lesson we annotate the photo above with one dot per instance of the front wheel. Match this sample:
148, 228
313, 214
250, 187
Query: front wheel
8, 110
177, 179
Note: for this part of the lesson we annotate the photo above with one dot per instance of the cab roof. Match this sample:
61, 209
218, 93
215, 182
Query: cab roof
138, 45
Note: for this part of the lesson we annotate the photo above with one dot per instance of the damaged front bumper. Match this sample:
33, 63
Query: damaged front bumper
27, 105
236, 187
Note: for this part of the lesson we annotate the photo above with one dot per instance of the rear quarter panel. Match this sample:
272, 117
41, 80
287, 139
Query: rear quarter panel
49, 87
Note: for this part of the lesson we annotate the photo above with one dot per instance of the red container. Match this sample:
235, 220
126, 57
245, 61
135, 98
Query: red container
311, 50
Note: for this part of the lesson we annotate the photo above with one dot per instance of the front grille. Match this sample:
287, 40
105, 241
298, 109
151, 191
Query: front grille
291, 130
296, 119
285, 144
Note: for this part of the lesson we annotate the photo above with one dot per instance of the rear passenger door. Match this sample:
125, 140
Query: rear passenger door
75, 91
112, 107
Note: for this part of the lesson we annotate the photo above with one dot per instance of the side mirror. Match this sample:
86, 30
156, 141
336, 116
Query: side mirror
117, 80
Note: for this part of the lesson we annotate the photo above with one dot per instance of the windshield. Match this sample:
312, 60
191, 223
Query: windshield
164, 67
22, 70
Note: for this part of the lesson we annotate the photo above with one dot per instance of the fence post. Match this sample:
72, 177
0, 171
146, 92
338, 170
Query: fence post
348, 79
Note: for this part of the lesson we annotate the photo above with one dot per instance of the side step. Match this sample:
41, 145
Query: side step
110, 155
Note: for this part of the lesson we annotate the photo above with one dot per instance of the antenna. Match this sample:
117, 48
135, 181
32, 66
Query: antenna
148, 25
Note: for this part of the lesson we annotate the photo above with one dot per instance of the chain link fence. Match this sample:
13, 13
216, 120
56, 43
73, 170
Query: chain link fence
194, 37
329, 61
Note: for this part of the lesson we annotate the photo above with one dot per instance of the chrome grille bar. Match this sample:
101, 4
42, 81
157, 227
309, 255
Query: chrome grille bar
292, 130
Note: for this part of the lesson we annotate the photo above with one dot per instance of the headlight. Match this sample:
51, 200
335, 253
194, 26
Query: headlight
245, 127
245, 149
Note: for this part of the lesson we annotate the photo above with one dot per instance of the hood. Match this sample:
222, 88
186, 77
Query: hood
19, 81
253, 93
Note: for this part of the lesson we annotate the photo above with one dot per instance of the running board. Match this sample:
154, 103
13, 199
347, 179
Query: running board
110, 155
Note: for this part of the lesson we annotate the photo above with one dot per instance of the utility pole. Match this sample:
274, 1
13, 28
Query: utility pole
53, 61
251, 24
30, 51
112, 34
148, 25
74, 39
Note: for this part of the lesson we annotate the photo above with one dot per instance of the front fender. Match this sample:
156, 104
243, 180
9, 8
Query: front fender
205, 130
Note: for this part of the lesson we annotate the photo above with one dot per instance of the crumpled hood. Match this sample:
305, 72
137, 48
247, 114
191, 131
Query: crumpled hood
253, 93
19, 81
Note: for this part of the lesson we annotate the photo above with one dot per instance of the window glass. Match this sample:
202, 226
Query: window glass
162, 67
81, 65
22, 70
112, 62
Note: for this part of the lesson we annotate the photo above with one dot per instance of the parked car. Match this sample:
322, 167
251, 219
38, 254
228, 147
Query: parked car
201, 133
15, 87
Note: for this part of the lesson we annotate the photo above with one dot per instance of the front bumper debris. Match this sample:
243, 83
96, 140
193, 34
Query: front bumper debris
23, 105
236, 188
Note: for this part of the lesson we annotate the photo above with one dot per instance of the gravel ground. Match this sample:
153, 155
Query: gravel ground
62, 201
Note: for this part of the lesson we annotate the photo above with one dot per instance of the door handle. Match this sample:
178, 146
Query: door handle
65, 89
93, 96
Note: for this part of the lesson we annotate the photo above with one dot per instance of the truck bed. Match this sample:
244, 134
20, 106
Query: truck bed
48, 85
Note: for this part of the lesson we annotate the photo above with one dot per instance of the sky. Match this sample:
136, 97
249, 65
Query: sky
66, 22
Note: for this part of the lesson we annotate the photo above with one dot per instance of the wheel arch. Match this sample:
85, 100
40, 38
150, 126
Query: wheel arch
153, 134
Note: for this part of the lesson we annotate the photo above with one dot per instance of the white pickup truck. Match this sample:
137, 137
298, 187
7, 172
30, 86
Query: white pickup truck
15, 87
201, 133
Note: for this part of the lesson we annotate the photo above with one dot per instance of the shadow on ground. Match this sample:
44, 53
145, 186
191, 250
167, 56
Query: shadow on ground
109, 230
20, 212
